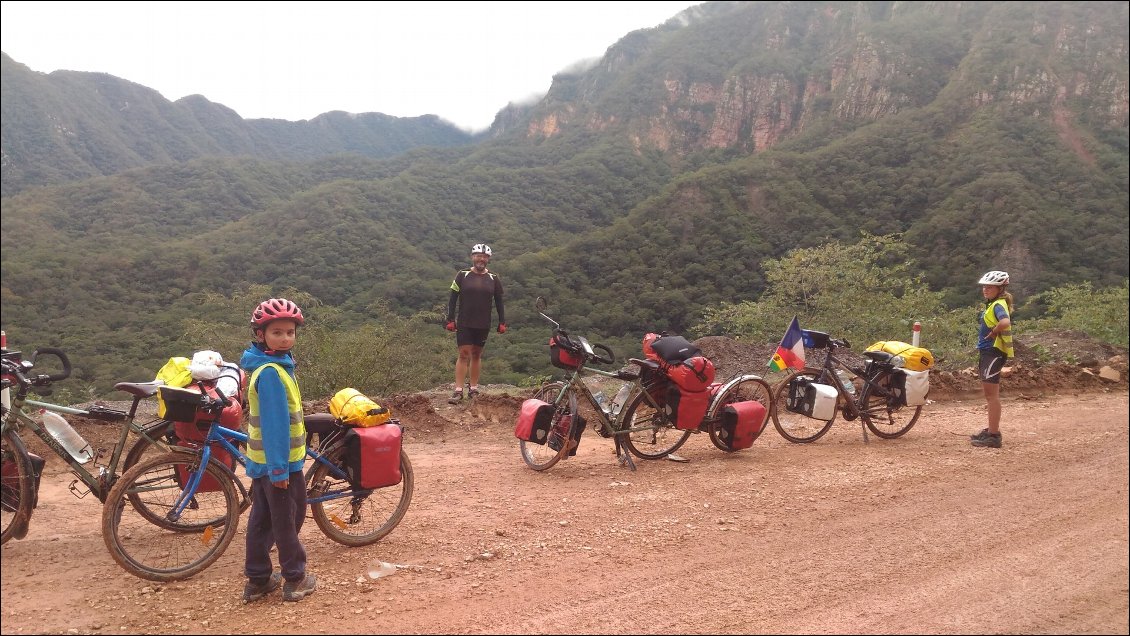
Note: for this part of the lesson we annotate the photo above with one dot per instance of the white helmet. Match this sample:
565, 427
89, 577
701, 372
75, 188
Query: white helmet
481, 248
994, 278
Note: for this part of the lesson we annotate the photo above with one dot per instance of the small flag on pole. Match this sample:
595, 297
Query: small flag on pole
790, 353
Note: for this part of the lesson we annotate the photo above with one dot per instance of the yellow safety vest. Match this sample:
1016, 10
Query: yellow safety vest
294, 406
1003, 341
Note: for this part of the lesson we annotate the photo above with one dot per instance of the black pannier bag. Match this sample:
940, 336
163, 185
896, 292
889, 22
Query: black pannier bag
811, 399
561, 429
655, 382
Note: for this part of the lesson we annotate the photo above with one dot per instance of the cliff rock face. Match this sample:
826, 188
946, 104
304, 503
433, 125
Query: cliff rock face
848, 64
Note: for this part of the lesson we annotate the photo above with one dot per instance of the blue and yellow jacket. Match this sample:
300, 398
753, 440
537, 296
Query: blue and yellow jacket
279, 455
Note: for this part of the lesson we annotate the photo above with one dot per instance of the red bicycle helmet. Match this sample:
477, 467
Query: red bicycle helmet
275, 309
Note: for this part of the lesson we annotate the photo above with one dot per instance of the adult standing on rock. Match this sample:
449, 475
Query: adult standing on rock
994, 344
472, 291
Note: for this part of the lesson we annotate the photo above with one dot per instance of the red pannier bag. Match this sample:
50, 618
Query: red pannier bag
372, 455
191, 424
535, 417
686, 408
741, 423
693, 374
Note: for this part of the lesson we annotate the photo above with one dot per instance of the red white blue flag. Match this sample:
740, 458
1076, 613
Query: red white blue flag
790, 353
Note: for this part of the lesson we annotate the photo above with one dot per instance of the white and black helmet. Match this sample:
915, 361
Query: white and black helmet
480, 248
994, 278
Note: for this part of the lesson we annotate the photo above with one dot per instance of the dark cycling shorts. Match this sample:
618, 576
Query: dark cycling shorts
476, 337
992, 361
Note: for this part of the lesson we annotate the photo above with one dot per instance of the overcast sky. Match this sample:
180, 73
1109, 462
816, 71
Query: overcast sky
462, 61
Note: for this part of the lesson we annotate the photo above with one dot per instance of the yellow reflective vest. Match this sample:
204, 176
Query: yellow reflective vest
294, 406
1003, 341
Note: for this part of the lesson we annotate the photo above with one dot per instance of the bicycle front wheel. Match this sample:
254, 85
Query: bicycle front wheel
657, 436
16, 490
353, 516
165, 432
795, 427
747, 388
884, 413
543, 456
158, 553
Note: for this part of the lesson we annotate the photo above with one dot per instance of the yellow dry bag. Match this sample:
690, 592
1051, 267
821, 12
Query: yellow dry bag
355, 409
914, 358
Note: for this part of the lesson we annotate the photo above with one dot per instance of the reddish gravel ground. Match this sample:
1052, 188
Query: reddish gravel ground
922, 534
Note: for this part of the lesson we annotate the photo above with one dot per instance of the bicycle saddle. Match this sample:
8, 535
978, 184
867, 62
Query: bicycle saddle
878, 356
140, 389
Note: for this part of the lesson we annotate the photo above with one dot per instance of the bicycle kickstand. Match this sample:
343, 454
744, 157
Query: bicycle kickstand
864, 427
624, 457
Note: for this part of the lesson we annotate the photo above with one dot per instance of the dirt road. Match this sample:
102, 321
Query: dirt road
923, 534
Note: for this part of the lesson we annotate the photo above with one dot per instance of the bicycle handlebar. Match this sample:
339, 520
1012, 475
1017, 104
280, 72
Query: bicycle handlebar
19, 369
577, 346
212, 405
58, 353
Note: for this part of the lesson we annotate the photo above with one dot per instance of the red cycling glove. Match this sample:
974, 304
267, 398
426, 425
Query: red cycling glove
450, 325
501, 327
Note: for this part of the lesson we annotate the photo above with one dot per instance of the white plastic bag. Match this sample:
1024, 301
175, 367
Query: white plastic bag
205, 365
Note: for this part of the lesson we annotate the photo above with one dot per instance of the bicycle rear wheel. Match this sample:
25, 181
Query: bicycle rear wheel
657, 437
883, 412
544, 456
747, 388
795, 427
156, 553
161, 430
354, 516
16, 494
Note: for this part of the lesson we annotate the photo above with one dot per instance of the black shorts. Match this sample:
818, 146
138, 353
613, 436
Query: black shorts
989, 368
476, 337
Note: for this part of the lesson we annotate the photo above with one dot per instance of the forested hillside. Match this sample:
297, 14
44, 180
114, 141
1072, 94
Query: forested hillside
636, 194
68, 126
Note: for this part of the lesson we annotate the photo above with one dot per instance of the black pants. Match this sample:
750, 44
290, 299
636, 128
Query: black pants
990, 365
276, 519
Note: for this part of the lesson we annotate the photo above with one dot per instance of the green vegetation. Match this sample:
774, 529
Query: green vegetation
1101, 314
382, 355
865, 292
675, 186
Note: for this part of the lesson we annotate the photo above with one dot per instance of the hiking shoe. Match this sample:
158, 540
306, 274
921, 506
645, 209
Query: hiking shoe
455, 398
298, 591
472, 392
982, 435
988, 441
254, 592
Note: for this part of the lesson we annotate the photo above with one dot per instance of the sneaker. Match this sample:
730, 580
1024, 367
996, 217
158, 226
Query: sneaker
982, 435
254, 592
988, 441
298, 591
472, 392
455, 398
